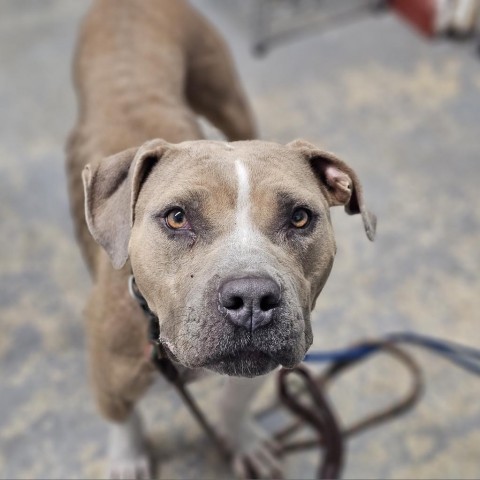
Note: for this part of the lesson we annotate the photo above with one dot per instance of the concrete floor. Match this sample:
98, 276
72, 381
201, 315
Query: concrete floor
403, 112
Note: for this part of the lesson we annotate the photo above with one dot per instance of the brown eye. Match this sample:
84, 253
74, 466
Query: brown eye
176, 219
300, 218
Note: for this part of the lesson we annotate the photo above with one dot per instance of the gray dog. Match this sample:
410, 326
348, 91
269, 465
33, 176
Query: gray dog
230, 243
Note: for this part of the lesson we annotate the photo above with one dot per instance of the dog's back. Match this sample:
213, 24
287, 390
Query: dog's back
143, 70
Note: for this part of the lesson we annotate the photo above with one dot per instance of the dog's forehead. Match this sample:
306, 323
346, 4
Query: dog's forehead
213, 152
223, 162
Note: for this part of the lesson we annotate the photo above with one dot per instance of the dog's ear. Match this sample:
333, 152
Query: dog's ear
339, 183
111, 188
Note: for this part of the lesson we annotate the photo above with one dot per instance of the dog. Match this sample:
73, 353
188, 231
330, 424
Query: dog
230, 242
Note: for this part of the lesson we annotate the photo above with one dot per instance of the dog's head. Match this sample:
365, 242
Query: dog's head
230, 243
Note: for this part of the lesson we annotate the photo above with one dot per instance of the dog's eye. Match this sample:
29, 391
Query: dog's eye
176, 219
301, 218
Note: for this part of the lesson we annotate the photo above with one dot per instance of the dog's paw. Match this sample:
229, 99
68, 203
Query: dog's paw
256, 455
129, 452
135, 468
262, 461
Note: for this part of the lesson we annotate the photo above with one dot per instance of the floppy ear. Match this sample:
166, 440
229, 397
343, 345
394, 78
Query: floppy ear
339, 183
111, 188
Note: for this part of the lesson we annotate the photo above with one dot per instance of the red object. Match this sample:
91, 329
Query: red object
421, 14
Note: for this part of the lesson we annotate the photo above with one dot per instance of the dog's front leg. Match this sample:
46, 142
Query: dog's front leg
255, 454
128, 456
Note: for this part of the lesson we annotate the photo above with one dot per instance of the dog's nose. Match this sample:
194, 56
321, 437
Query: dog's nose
250, 302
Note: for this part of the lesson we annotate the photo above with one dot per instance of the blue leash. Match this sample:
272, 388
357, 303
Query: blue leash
463, 356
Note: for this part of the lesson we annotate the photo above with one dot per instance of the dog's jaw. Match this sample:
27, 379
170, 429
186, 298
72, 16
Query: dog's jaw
243, 364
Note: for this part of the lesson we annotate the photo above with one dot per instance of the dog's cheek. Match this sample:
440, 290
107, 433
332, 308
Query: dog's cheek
318, 253
317, 262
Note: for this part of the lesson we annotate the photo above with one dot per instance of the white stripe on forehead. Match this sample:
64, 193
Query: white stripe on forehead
244, 228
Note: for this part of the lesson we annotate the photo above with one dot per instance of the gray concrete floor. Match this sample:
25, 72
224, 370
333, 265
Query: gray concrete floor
405, 113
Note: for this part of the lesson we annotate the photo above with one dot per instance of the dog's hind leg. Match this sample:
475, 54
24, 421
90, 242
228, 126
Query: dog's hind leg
213, 86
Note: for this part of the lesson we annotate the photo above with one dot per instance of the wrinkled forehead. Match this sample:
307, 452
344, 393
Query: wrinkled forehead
222, 173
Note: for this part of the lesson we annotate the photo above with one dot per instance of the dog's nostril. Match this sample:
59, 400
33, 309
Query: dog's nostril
234, 303
268, 302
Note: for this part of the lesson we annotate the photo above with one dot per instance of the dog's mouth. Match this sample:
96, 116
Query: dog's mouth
246, 362
243, 363
250, 362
